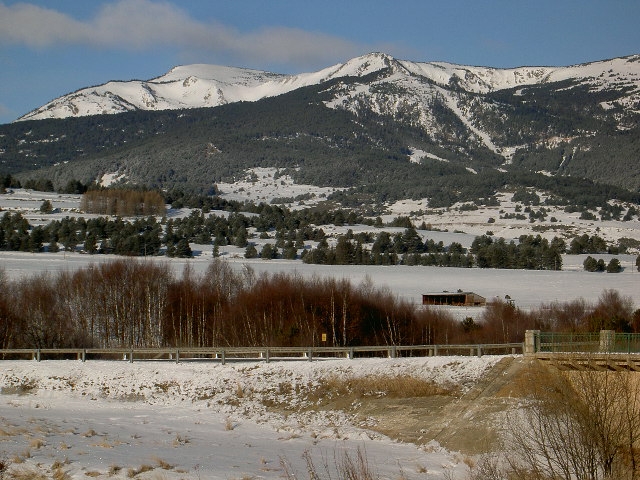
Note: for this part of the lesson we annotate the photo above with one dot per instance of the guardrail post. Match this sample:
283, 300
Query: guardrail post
479, 350
310, 355
223, 356
392, 352
531, 342
607, 341
37, 357
266, 355
471, 351
177, 356
351, 353
131, 356
435, 350
84, 355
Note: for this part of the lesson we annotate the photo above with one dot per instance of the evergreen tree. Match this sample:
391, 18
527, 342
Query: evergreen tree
53, 247
268, 252
614, 266
250, 251
344, 251
240, 237
183, 250
290, 252
46, 207
590, 264
90, 244
37, 237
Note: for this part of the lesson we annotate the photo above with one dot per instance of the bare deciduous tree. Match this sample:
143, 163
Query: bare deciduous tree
582, 425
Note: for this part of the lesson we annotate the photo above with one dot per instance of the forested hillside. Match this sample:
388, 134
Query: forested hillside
407, 138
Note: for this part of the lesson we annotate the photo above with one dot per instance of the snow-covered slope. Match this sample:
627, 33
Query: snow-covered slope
193, 86
202, 420
618, 71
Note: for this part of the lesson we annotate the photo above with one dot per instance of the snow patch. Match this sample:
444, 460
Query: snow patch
109, 179
417, 155
266, 184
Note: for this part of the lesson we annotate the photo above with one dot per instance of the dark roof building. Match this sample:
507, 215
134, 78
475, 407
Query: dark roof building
463, 299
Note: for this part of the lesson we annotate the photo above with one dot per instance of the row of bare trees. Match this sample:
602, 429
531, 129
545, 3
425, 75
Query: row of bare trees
144, 304
123, 202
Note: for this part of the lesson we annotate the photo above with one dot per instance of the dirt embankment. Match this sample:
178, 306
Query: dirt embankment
471, 423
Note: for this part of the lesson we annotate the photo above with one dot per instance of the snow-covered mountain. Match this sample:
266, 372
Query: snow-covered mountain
193, 86
350, 125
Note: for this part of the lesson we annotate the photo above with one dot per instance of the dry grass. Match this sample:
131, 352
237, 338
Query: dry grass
345, 465
37, 443
240, 393
180, 440
21, 386
165, 386
27, 474
105, 443
58, 473
6, 433
132, 472
59, 464
391, 386
228, 424
163, 464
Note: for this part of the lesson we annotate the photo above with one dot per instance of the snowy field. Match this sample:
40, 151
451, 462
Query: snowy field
162, 420
527, 288
159, 420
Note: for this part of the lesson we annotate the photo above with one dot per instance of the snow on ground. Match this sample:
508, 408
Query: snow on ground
527, 288
111, 419
206, 420
418, 155
263, 184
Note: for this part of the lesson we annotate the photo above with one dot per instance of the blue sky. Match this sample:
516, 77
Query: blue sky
50, 48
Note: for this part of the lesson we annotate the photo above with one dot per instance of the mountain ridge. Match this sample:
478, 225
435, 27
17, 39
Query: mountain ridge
203, 85
357, 126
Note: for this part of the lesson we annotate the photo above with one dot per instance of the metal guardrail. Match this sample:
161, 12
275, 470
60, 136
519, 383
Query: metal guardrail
266, 354
606, 341
549, 342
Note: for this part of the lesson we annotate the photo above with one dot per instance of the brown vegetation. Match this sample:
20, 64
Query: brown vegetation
123, 202
143, 304
352, 389
583, 424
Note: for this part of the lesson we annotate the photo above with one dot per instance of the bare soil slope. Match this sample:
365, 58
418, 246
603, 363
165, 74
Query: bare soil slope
471, 423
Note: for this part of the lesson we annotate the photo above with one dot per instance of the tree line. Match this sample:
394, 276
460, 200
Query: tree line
408, 248
293, 235
145, 304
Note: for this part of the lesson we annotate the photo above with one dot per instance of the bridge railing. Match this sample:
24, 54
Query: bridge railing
605, 341
266, 354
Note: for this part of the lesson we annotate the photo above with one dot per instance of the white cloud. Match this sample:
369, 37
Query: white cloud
4, 110
144, 24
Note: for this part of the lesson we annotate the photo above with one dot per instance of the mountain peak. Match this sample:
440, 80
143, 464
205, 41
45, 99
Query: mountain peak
366, 64
202, 85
